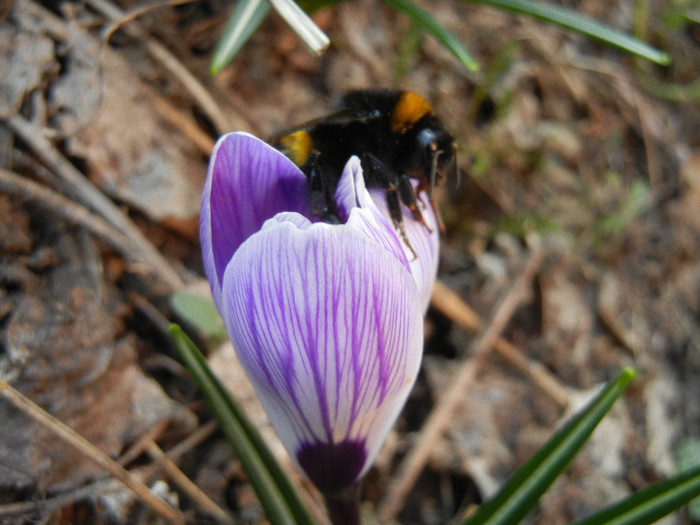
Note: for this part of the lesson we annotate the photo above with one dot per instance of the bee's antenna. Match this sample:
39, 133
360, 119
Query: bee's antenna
433, 171
457, 174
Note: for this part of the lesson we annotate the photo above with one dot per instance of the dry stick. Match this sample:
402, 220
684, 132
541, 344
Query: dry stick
49, 505
440, 417
86, 448
84, 191
191, 441
26, 189
138, 11
53, 24
205, 503
647, 125
58, 29
307, 491
143, 442
170, 62
452, 306
182, 447
185, 123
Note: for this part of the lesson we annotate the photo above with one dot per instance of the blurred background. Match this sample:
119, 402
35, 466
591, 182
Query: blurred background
568, 148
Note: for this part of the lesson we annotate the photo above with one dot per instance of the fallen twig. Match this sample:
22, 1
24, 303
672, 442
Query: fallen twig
72, 438
191, 441
185, 123
159, 52
204, 502
441, 415
142, 443
84, 191
453, 307
49, 505
73, 212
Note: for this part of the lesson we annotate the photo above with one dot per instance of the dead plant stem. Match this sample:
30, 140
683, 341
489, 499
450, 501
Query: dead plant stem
160, 53
441, 415
72, 438
84, 191
451, 305
205, 503
72, 212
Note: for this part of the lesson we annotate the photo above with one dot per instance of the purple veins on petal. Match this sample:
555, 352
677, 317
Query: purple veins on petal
247, 183
350, 192
328, 325
425, 242
326, 319
356, 207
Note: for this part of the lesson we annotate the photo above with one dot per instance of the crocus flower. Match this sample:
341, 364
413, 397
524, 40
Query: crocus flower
327, 319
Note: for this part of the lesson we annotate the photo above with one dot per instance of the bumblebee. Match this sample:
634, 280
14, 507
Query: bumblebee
396, 136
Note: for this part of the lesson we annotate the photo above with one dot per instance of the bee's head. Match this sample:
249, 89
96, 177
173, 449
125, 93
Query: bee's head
437, 151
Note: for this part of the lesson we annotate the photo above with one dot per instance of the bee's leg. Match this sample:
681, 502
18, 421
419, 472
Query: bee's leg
393, 204
378, 174
438, 217
423, 187
317, 199
408, 197
321, 190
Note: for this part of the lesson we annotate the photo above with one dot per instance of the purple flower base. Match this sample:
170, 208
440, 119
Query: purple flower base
332, 466
325, 318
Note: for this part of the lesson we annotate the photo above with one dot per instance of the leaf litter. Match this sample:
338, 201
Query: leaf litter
561, 142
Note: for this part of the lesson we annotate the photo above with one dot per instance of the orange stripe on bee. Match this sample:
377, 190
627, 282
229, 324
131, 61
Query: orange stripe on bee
297, 146
410, 108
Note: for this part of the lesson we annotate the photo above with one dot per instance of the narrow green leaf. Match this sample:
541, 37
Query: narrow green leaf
651, 503
688, 458
678, 14
311, 6
200, 312
582, 24
425, 20
277, 495
670, 91
524, 488
246, 18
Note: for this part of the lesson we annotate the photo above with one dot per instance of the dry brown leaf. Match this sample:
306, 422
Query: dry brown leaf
65, 351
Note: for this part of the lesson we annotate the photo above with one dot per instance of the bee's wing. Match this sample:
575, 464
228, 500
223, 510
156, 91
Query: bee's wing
339, 118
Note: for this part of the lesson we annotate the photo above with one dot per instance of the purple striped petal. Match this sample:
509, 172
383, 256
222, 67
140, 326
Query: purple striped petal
425, 242
351, 193
328, 325
357, 209
326, 319
247, 183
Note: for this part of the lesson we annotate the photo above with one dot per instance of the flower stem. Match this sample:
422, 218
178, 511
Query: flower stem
344, 505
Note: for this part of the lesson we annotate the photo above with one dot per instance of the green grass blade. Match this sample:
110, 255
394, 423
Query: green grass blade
688, 458
581, 24
246, 18
425, 20
311, 6
200, 312
524, 488
670, 91
277, 495
651, 503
